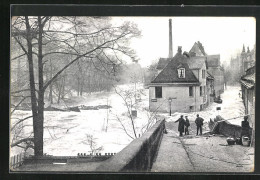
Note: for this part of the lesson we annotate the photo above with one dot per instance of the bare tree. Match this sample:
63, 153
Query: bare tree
91, 141
43, 38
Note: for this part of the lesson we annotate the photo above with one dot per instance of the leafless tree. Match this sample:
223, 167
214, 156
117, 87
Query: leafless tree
88, 39
91, 141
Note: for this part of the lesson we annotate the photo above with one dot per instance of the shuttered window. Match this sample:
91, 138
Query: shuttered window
158, 92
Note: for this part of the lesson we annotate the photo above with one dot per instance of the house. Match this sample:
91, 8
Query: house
210, 88
180, 86
213, 66
217, 71
248, 91
247, 82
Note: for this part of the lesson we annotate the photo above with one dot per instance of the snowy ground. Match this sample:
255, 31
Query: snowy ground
65, 132
232, 108
205, 153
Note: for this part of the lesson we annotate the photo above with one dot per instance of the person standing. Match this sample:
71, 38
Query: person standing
245, 127
181, 125
199, 123
187, 124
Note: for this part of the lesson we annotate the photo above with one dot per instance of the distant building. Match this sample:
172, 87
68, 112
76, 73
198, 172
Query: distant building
217, 71
213, 66
247, 59
197, 50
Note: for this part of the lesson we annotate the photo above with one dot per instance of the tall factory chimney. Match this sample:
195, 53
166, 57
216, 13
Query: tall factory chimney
170, 39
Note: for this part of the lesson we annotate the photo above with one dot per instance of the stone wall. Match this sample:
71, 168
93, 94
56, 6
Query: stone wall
139, 155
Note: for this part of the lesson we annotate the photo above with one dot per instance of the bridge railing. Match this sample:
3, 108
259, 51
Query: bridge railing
139, 155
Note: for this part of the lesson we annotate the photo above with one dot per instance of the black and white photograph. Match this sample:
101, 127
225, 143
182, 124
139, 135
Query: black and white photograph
116, 94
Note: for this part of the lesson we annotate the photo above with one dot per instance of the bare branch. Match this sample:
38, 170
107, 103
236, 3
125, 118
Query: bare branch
20, 120
21, 141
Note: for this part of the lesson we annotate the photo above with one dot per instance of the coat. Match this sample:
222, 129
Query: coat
181, 124
245, 128
199, 121
187, 123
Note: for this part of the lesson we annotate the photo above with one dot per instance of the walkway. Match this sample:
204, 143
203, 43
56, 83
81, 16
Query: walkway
200, 154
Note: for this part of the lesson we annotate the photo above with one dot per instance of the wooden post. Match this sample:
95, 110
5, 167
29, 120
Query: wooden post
11, 161
14, 162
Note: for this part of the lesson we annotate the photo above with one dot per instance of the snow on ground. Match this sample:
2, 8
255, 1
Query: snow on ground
65, 133
231, 107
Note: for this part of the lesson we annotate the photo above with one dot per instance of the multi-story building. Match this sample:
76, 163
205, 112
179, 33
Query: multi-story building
180, 86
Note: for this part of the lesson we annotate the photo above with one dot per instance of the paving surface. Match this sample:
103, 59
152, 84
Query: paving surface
204, 153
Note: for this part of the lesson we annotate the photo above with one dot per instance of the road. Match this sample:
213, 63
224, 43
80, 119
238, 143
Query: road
204, 153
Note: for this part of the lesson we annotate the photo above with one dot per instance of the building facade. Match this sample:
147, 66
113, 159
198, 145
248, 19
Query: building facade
180, 86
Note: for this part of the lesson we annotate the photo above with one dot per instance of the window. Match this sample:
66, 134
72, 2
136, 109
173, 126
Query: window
191, 108
158, 92
201, 107
191, 91
181, 73
200, 90
203, 74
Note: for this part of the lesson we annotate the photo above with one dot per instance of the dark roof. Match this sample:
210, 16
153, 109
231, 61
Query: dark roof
170, 75
209, 76
162, 63
196, 62
213, 60
247, 84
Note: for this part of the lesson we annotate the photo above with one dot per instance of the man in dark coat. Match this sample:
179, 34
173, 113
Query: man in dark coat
199, 123
245, 127
181, 125
187, 124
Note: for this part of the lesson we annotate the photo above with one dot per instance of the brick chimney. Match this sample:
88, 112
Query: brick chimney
179, 49
170, 39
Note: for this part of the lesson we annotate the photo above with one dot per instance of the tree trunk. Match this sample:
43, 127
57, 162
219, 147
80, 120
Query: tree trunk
78, 88
39, 133
50, 93
38, 145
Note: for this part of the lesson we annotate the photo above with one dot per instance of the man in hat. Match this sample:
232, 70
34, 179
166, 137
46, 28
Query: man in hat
199, 123
187, 124
181, 125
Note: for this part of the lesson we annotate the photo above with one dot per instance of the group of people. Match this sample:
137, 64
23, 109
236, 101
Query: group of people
184, 125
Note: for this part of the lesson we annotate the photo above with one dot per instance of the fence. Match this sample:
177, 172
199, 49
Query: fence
17, 160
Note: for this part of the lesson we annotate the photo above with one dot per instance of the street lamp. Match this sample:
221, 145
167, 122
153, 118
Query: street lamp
170, 102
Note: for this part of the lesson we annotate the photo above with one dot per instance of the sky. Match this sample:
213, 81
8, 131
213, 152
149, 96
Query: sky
218, 35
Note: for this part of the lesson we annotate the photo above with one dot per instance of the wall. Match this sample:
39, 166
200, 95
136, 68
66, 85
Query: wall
139, 155
182, 102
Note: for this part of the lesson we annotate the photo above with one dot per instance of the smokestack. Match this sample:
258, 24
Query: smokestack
170, 39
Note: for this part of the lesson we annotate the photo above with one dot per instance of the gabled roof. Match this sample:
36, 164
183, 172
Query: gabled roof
196, 62
197, 49
170, 75
213, 60
209, 76
162, 63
